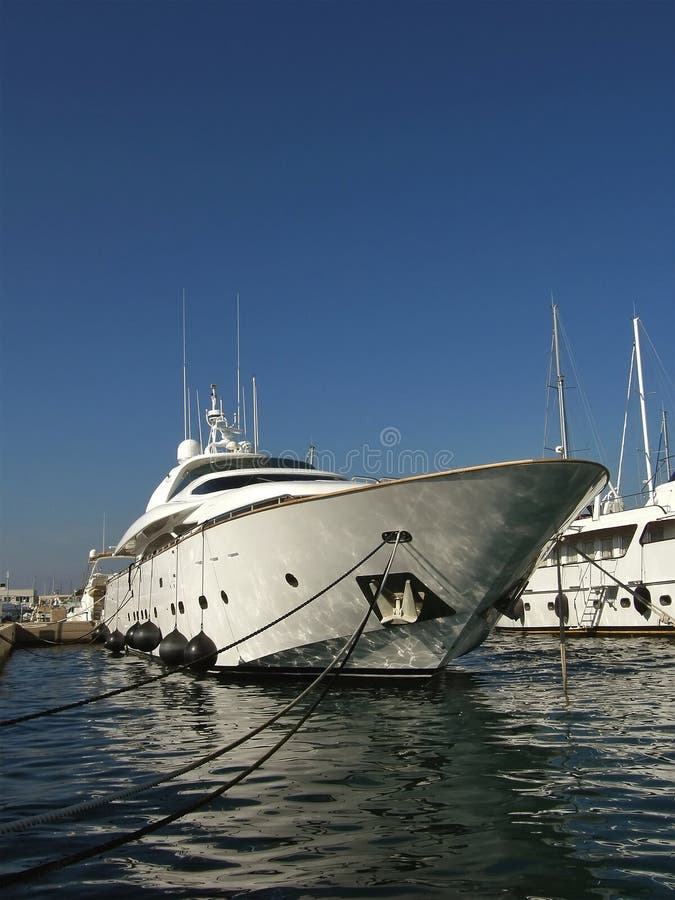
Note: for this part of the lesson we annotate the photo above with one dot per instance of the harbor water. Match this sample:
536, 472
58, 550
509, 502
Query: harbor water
484, 782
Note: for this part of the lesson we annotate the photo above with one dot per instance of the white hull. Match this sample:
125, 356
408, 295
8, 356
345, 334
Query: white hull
476, 536
631, 550
612, 572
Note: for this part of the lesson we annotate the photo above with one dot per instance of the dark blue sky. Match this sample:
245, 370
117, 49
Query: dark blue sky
395, 189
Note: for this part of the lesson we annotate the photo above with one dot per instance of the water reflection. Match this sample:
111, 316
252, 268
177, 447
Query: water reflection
485, 781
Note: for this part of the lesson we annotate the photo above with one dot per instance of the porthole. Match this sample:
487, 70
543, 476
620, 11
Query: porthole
291, 579
181, 607
527, 607
224, 597
154, 611
173, 609
625, 602
161, 583
203, 602
550, 606
665, 600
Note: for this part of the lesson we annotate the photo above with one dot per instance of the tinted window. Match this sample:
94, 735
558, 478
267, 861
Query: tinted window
228, 482
228, 462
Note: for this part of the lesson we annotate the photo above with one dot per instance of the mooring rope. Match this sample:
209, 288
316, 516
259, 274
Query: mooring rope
345, 652
186, 666
86, 806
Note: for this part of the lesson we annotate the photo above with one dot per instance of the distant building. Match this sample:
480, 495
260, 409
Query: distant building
13, 600
23, 596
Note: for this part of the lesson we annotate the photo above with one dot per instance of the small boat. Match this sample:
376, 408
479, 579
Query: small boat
613, 571
249, 563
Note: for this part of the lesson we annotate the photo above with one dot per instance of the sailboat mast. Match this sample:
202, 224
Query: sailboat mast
560, 383
643, 409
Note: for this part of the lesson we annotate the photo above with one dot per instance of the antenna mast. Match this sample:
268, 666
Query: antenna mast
199, 420
255, 417
643, 409
185, 395
238, 369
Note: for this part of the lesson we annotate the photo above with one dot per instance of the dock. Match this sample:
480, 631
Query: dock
22, 634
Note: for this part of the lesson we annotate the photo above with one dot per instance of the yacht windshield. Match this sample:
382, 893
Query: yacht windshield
228, 482
229, 462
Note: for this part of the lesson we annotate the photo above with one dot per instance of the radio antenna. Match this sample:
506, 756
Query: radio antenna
199, 420
255, 417
185, 394
238, 369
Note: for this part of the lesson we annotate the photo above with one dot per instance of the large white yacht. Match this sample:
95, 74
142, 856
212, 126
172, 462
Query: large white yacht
246, 562
613, 571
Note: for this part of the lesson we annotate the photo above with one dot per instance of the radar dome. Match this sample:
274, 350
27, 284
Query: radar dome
187, 449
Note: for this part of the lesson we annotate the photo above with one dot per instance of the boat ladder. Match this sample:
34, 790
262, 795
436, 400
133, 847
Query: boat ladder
590, 616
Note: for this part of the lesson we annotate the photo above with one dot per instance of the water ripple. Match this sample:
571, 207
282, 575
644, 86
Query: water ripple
485, 782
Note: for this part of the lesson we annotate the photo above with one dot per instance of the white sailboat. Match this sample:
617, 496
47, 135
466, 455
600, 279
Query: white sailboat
245, 562
613, 571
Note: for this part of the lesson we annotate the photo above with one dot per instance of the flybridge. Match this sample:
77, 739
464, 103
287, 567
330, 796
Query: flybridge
222, 434
223, 452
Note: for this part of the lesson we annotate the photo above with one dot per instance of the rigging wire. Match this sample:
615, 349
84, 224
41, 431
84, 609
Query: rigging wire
660, 366
549, 387
584, 399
